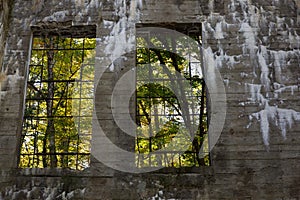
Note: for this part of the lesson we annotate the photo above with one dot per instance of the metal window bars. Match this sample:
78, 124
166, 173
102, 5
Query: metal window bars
57, 122
168, 111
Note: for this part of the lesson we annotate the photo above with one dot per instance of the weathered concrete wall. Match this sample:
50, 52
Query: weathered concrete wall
253, 44
5, 141
5, 8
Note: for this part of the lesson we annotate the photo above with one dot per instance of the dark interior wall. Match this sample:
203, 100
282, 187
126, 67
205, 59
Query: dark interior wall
254, 45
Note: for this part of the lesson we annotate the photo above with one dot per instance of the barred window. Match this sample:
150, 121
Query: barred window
57, 122
171, 109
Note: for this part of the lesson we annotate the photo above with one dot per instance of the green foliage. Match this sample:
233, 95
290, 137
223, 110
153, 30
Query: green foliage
58, 108
161, 96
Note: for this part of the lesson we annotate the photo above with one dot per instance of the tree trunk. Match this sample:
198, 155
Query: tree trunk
50, 131
197, 143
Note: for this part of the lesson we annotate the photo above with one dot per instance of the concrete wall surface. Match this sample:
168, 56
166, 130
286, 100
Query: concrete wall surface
251, 54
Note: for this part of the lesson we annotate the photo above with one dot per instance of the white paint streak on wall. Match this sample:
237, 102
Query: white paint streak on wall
9, 82
13, 80
282, 89
269, 84
48, 193
249, 35
264, 76
122, 36
57, 16
282, 118
218, 31
210, 67
254, 89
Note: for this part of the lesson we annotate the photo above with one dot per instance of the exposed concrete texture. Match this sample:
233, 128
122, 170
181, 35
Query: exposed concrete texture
5, 8
255, 46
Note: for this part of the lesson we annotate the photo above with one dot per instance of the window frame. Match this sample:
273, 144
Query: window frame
182, 28
86, 32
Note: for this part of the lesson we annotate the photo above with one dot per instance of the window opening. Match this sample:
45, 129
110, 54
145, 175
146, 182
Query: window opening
57, 122
159, 113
